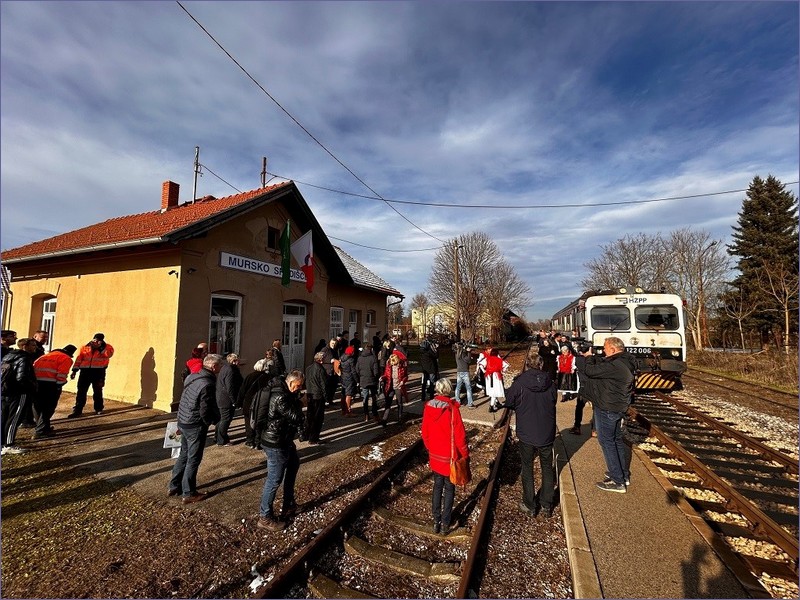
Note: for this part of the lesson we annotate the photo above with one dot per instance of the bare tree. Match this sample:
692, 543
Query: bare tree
737, 308
478, 256
780, 281
505, 291
421, 303
638, 260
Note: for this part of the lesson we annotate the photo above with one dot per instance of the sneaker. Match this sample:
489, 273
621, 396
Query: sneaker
98, 412
270, 523
437, 527
471, 406
12, 450
546, 512
523, 508
492, 409
610, 486
608, 478
173, 492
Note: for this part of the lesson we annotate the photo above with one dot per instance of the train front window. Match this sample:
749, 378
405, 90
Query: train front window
662, 317
610, 318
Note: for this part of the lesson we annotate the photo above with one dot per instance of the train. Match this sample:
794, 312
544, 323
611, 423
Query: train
651, 323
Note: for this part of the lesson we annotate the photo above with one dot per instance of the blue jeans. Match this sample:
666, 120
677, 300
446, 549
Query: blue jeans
463, 378
282, 466
609, 434
184, 473
366, 392
527, 454
428, 381
443, 490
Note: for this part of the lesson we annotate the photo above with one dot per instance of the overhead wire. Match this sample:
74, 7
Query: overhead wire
319, 143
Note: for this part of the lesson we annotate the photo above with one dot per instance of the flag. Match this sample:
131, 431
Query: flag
303, 252
285, 265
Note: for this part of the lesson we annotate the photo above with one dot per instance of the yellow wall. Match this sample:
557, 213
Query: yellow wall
134, 304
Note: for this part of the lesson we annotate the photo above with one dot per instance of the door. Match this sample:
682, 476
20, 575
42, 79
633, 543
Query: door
352, 326
294, 336
49, 321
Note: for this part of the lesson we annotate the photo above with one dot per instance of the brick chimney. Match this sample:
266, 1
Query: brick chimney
169, 195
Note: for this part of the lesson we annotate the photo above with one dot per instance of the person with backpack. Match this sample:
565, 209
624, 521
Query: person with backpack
18, 383
51, 372
429, 362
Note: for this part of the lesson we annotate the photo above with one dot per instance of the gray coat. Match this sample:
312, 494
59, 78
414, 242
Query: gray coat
367, 370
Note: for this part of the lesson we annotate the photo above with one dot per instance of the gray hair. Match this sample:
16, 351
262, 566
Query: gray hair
212, 360
319, 357
534, 360
617, 343
443, 387
295, 375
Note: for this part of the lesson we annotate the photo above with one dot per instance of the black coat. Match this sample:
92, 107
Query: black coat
316, 380
611, 381
429, 359
198, 405
533, 396
22, 379
280, 363
229, 382
349, 380
278, 414
367, 370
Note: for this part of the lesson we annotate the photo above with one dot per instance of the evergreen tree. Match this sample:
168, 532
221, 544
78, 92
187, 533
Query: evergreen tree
765, 237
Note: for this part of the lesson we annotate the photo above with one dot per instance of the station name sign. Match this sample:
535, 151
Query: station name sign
251, 265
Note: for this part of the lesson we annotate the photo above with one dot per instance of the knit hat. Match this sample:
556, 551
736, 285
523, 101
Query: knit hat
99, 336
69, 350
349, 350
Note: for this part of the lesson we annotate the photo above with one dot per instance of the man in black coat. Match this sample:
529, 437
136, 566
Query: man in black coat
316, 386
196, 412
278, 416
533, 396
19, 383
229, 381
613, 379
367, 375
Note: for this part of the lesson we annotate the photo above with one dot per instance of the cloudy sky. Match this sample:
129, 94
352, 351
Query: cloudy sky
528, 105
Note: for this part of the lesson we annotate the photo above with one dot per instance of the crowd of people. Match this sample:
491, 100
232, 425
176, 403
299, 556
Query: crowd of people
32, 380
276, 412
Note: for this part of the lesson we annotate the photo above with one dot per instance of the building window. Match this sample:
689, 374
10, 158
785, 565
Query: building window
49, 321
273, 238
337, 322
225, 324
370, 318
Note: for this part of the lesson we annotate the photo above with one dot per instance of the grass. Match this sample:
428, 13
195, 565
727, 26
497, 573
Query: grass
772, 369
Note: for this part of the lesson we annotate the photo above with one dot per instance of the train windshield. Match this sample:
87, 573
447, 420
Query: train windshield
661, 317
610, 318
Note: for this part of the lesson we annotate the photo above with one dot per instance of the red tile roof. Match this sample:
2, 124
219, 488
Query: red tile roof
150, 226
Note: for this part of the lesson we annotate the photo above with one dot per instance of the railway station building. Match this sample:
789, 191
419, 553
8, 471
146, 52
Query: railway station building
158, 283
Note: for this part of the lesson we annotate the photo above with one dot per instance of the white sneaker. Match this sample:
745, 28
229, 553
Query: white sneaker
13, 450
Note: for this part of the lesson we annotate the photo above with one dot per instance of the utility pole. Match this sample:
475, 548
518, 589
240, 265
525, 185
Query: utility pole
457, 282
196, 172
703, 325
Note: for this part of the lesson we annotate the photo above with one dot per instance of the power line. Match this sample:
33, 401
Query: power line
515, 206
220, 178
330, 237
300, 125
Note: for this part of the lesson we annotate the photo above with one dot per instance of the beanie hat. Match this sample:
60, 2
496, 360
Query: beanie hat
69, 349
99, 336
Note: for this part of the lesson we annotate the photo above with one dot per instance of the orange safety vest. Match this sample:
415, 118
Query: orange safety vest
91, 359
53, 366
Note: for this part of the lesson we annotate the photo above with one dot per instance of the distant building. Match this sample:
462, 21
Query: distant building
159, 282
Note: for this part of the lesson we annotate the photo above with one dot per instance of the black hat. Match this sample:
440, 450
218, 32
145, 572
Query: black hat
6, 332
69, 349
99, 336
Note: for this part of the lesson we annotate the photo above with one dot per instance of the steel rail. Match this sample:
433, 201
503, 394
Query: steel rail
766, 451
762, 524
290, 574
468, 567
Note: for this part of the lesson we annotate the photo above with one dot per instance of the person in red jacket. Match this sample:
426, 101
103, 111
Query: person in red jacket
92, 363
395, 376
444, 437
51, 372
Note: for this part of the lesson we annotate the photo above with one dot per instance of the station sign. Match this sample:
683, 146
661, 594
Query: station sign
259, 267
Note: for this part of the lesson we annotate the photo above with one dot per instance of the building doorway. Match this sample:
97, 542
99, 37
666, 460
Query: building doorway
49, 321
293, 339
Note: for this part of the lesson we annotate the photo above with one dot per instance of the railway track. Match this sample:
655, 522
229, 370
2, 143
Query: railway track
383, 545
745, 491
784, 403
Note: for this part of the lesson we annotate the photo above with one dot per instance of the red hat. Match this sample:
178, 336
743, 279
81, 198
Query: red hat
349, 350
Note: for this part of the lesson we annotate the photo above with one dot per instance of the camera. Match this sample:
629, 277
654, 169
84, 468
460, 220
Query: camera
463, 345
581, 345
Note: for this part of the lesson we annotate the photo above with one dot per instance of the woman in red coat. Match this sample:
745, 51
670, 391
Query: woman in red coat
442, 429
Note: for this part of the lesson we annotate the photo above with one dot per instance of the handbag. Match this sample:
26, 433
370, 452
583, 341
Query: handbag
459, 467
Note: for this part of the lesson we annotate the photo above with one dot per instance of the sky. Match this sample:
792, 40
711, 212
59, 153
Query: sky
527, 105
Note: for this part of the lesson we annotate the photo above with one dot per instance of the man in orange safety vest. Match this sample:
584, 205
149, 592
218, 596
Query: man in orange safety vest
92, 363
51, 372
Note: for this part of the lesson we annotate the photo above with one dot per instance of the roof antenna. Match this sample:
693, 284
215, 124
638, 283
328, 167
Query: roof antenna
263, 171
196, 172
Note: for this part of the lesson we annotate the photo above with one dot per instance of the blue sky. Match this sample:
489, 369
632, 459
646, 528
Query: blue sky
519, 103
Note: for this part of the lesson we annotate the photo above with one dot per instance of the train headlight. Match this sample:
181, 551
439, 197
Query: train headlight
675, 353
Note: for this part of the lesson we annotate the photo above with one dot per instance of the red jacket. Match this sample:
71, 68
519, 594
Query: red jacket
566, 362
402, 372
439, 417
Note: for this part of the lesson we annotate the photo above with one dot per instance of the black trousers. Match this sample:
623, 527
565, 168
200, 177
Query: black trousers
45, 404
315, 415
12, 407
94, 378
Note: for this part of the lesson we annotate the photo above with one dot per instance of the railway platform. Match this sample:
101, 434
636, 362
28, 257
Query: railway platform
633, 545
